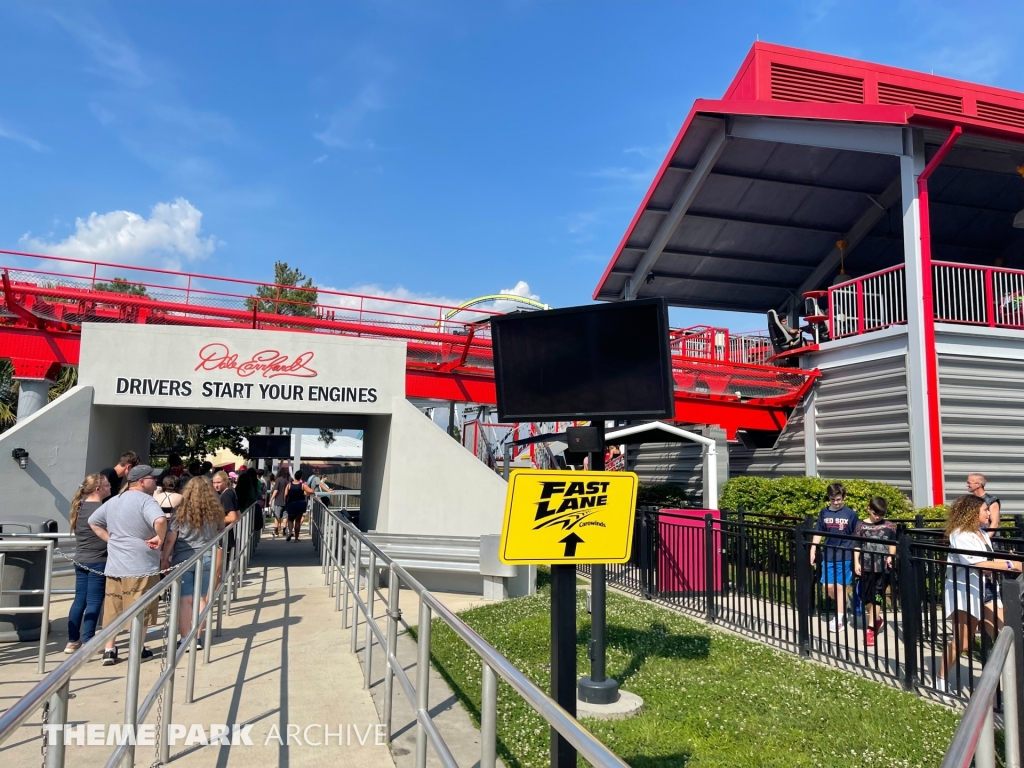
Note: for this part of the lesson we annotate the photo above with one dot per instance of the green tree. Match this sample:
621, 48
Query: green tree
66, 379
121, 285
292, 293
194, 441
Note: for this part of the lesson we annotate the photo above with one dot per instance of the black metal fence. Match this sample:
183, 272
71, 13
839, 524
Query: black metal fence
921, 613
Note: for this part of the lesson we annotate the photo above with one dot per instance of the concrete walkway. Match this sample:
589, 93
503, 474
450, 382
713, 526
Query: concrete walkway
282, 659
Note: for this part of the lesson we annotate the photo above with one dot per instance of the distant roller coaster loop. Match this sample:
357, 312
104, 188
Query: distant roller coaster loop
525, 301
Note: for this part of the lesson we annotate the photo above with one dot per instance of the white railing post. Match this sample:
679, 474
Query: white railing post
357, 562
44, 623
422, 680
371, 577
394, 611
1011, 724
488, 717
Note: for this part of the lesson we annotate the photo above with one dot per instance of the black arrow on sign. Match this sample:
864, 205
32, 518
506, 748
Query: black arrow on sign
570, 541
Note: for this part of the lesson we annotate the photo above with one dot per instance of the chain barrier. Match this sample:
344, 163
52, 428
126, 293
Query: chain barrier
169, 648
86, 568
42, 731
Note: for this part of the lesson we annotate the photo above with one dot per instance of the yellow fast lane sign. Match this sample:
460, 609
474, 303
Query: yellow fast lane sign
568, 517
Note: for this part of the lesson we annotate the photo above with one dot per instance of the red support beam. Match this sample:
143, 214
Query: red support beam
931, 364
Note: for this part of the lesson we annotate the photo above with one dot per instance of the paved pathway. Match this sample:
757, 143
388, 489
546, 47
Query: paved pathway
282, 659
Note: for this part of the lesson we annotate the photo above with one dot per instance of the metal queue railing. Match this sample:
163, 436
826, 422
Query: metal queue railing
975, 738
349, 559
49, 544
51, 695
754, 574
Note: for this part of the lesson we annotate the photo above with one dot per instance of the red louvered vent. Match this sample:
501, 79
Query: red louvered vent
1000, 113
936, 102
796, 84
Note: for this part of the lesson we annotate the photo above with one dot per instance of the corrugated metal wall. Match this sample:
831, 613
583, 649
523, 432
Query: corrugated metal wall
676, 463
982, 406
863, 422
785, 459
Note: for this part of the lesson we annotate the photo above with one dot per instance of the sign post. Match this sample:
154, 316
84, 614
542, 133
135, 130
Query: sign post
566, 519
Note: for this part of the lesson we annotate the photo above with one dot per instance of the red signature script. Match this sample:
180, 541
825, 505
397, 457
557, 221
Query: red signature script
269, 363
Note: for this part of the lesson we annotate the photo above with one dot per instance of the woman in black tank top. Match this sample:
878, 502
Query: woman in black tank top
295, 505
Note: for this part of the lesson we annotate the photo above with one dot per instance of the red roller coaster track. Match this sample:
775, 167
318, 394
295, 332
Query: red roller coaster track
46, 299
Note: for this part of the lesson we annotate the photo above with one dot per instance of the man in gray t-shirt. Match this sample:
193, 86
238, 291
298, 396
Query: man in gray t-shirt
134, 526
131, 521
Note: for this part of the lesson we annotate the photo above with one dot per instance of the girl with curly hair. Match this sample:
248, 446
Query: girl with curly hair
91, 552
197, 521
971, 599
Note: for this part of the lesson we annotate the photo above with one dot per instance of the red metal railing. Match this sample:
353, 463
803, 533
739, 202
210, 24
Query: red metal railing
963, 294
204, 291
868, 303
972, 295
704, 342
720, 377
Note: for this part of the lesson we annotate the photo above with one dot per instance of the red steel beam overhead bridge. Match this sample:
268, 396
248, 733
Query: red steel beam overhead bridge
720, 379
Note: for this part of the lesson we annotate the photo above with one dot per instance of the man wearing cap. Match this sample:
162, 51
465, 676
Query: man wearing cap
134, 526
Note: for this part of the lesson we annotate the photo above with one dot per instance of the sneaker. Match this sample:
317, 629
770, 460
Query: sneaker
72, 647
110, 657
835, 625
879, 624
869, 637
199, 645
288, 536
146, 653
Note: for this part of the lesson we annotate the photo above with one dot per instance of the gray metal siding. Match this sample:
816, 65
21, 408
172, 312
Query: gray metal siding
786, 459
863, 422
677, 463
981, 402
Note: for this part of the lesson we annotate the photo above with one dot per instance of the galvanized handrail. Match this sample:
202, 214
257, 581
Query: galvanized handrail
975, 736
43, 609
340, 545
27, 542
53, 690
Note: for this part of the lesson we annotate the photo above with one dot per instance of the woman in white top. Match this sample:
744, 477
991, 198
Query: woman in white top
971, 597
167, 496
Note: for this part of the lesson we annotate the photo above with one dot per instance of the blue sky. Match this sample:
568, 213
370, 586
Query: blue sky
436, 150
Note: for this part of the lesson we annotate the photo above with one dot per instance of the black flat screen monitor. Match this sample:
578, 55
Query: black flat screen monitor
597, 361
270, 446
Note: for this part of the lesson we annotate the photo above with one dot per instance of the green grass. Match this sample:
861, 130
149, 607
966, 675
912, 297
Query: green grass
710, 698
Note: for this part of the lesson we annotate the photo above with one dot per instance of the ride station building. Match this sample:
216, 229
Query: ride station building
873, 215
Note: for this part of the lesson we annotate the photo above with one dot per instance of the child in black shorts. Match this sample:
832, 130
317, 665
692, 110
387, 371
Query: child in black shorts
872, 562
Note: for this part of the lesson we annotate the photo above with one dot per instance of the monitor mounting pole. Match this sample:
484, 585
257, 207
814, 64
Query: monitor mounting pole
598, 688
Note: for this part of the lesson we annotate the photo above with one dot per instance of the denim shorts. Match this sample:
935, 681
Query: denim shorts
188, 580
833, 572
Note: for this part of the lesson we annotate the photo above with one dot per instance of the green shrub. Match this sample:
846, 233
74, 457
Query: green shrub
799, 496
664, 495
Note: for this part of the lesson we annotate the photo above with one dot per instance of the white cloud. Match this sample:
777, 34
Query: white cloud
118, 59
631, 176
344, 125
168, 237
9, 133
982, 61
320, 159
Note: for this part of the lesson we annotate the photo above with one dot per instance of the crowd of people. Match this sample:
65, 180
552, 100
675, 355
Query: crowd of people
133, 523
859, 556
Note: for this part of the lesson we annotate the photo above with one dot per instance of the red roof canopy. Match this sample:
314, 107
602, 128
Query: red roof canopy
779, 82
